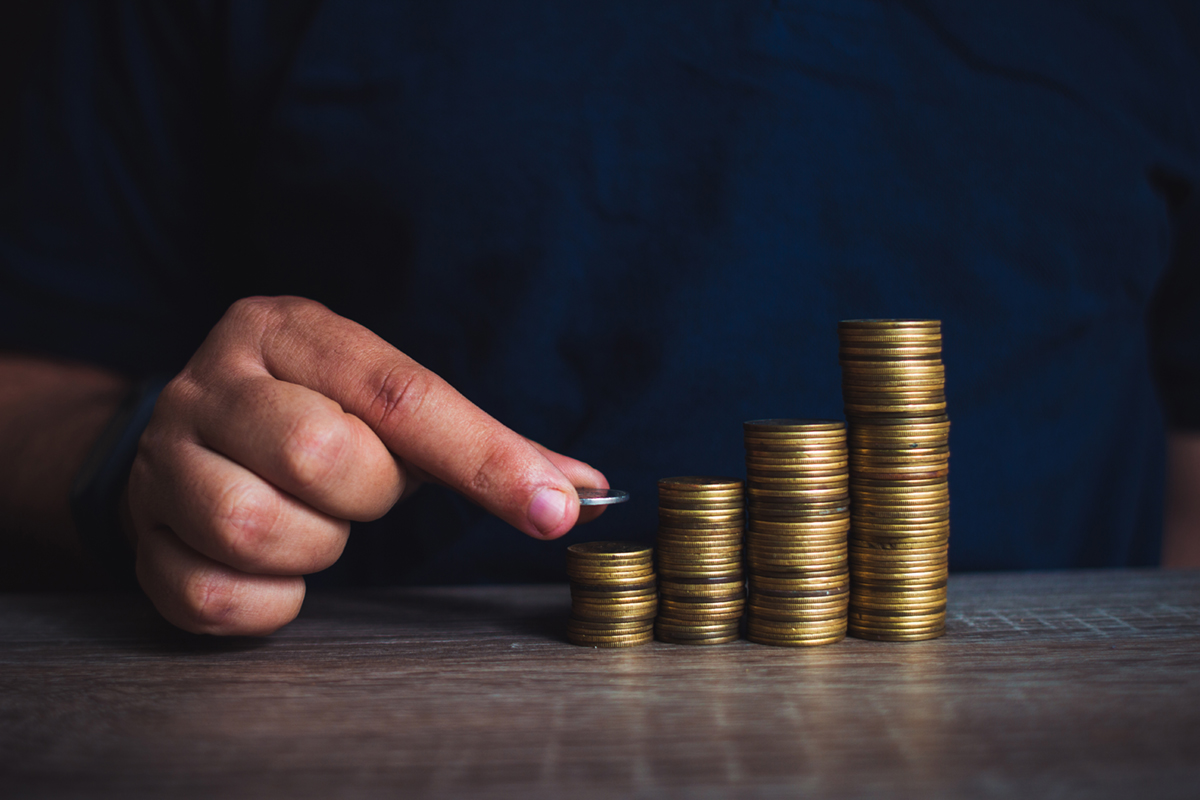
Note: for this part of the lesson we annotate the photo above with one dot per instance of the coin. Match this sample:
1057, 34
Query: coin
893, 385
601, 497
614, 594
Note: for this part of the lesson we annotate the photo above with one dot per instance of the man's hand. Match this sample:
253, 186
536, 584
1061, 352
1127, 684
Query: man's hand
288, 423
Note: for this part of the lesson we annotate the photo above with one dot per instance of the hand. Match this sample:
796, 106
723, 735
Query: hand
288, 423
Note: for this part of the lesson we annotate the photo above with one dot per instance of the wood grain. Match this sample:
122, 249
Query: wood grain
1047, 685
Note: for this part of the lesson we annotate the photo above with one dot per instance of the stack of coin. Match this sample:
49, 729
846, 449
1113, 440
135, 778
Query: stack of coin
702, 589
613, 594
893, 385
799, 502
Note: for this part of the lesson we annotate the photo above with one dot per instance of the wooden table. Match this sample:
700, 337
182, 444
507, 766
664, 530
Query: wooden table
1047, 685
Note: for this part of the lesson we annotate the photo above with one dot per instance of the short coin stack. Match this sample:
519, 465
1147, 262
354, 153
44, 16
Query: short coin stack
702, 589
893, 385
613, 594
799, 502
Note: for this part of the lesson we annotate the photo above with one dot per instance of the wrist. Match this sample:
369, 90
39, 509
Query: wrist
99, 507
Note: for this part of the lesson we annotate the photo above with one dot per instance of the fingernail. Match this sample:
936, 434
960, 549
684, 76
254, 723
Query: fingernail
547, 510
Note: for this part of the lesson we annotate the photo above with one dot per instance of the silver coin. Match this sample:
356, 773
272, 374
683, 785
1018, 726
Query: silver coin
601, 497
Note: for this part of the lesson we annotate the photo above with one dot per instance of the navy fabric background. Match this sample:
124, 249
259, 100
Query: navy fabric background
624, 227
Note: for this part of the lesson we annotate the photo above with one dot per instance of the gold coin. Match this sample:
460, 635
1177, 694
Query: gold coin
782, 447
899, 493
758, 630
763, 552
700, 483
913, 556
922, 627
701, 514
732, 510
800, 587
799, 535
832, 472
896, 597
732, 529
871, 524
592, 614
799, 608
587, 573
898, 577
905, 547
596, 597
862, 367
775, 600
707, 640
884, 333
830, 435
857, 375
697, 628
889, 325
898, 529
897, 428
609, 551
607, 626
885, 616
895, 638
674, 543
773, 627
857, 629
700, 567
798, 425
692, 616
914, 477
795, 642
765, 546
669, 587
807, 615
611, 641
833, 522
784, 508
700, 550
672, 605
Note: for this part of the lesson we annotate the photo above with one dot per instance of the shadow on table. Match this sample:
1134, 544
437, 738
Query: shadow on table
110, 620
130, 623
530, 611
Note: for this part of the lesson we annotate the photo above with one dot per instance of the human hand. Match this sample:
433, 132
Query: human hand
288, 423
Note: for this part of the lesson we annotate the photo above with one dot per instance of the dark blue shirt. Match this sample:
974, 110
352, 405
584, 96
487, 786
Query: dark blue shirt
624, 227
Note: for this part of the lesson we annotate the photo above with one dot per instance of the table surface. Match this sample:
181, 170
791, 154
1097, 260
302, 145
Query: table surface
1083, 684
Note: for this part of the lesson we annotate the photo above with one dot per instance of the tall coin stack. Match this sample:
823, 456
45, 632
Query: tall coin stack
702, 588
893, 386
797, 489
613, 594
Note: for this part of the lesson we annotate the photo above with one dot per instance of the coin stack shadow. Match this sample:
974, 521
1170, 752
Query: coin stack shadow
614, 595
702, 588
798, 498
893, 386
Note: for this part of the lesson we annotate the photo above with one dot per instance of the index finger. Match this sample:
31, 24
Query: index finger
418, 415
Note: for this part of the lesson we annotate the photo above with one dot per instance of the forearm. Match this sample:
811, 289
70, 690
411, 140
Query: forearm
1181, 536
50, 415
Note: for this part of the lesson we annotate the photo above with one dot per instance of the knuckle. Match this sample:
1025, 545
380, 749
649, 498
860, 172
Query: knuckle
311, 452
399, 394
246, 522
209, 602
176, 397
250, 315
261, 308
253, 307
482, 481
